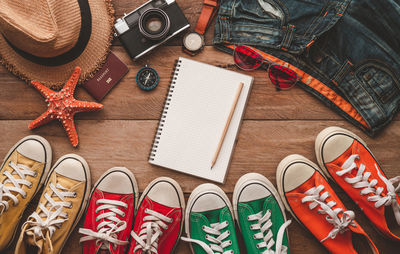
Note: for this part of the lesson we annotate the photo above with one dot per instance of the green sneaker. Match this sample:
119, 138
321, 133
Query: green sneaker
260, 215
209, 222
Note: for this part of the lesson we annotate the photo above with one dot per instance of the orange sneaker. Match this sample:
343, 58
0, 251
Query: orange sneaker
346, 159
307, 195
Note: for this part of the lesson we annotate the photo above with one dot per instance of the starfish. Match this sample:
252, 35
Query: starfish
63, 106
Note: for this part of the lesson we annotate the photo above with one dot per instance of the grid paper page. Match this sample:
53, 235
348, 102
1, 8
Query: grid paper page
196, 116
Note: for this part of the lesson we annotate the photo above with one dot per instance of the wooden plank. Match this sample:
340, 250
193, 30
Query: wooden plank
127, 101
261, 145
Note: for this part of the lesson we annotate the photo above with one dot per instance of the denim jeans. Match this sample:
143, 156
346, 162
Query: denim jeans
347, 52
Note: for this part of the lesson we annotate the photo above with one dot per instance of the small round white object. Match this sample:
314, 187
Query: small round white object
193, 41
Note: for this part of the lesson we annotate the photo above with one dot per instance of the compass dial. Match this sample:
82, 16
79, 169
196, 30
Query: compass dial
147, 78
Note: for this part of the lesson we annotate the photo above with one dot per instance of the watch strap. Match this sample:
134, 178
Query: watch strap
191, 53
207, 14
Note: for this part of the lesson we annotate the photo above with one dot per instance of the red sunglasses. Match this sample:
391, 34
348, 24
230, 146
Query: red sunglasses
247, 59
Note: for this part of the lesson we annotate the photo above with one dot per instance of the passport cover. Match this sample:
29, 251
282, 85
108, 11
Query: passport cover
107, 77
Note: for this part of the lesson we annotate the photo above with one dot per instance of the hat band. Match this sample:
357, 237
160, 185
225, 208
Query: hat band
72, 54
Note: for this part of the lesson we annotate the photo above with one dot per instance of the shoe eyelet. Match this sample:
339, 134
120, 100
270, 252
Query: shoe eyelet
75, 195
35, 174
70, 206
203, 227
228, 232
30, 186
254, 237
123, 214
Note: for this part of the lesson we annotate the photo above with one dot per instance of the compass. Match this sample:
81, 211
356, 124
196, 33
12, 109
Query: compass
147, 78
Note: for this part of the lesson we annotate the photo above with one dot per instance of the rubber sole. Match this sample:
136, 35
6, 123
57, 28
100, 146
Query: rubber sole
49, 155
200, 190
256, 178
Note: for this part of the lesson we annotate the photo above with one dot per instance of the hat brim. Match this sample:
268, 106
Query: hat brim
91, 59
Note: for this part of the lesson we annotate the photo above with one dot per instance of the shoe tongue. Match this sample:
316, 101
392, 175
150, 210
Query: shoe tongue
104, 249
36, 243
25, 161
17, 159
257, 205
213, 216
65, 182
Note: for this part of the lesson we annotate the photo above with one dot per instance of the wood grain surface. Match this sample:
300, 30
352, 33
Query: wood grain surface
276, 124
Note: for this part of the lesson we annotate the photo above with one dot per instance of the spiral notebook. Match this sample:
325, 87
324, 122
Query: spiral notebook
195, 113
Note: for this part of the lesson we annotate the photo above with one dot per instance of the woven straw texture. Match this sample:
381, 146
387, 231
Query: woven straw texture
48, 28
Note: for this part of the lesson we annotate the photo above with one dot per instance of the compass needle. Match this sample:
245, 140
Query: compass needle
147, 78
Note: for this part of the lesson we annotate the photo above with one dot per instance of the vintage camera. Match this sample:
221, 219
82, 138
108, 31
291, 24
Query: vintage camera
149, 26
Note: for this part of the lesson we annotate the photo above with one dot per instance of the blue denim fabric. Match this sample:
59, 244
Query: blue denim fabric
352, 46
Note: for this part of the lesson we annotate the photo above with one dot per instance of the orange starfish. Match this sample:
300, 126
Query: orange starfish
63, 106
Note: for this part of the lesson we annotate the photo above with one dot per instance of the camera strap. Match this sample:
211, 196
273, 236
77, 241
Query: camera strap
207, 14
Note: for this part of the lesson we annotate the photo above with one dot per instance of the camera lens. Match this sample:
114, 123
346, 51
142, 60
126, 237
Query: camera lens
154, 24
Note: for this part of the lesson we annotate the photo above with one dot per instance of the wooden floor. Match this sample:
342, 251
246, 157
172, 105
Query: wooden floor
276, 124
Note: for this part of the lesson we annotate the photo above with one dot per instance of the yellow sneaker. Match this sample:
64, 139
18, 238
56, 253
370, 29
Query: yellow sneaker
60, 207
22, 174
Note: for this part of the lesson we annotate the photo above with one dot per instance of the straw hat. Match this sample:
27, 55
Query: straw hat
45, 40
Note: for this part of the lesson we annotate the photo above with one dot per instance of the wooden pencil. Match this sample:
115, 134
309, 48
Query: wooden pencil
221, 141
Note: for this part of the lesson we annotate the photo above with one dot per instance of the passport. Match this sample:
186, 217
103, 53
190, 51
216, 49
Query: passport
107, 77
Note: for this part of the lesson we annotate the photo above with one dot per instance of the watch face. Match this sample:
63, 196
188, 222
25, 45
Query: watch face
147, 78
193, 41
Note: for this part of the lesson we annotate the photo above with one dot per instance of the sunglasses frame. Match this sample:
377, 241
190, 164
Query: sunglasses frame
264, 61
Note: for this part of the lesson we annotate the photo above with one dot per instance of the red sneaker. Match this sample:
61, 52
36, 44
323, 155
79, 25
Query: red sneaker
310, 199
109, 216
347, 160
159, 219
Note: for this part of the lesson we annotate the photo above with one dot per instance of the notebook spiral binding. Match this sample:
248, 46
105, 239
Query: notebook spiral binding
174, 77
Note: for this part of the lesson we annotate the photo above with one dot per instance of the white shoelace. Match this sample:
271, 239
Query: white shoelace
216, 237
52, 218
6, 191
151, 230
108, 229
361, 181
263, 224
317, 199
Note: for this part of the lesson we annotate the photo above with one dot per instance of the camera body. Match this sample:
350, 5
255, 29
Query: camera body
149, 26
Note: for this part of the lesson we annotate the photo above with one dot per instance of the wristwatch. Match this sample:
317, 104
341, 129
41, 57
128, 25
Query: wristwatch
193, 42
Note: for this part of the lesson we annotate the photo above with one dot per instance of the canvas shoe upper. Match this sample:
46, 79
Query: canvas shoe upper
210, 226
159, 219
346, 159
110, 213
260, 215
310, 199
22, 174
60, 207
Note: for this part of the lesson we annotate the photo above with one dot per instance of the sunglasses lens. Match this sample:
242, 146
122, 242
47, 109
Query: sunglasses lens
246, 58
282, 77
